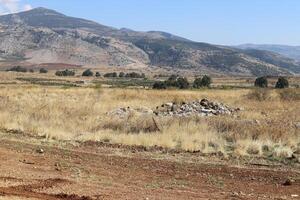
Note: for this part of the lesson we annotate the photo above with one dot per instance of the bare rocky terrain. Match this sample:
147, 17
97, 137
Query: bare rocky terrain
43, 36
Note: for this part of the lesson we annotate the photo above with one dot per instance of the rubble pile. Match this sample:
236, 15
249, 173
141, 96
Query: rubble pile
202, 108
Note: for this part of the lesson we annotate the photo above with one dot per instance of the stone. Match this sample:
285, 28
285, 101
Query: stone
40, 151
288, 182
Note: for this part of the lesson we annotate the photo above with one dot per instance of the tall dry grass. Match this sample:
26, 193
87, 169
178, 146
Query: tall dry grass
80, 114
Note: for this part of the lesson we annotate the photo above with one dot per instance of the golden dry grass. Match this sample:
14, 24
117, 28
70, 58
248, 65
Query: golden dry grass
80, 114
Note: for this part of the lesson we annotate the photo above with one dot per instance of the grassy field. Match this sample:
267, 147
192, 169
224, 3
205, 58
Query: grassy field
267, 126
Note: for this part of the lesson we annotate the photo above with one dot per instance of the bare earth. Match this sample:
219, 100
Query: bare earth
97, 171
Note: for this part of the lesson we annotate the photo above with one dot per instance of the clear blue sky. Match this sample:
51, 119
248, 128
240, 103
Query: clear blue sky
227, 22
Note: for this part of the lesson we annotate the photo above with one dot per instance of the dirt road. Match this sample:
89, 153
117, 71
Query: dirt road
85, 172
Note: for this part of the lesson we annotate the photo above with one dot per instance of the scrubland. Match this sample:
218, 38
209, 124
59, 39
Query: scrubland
267, 125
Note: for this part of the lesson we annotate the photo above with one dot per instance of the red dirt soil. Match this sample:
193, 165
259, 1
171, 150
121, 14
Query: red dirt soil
91, 172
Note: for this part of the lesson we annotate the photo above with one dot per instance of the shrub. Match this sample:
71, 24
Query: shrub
121, 74
135, 75
206, 81
261, 82
259, 94
197, 83
111, 75
31, 70
172, 81
282, 83
88, 72
98, 74
65, 73
43, 71
17, 69
182, 83
160, 85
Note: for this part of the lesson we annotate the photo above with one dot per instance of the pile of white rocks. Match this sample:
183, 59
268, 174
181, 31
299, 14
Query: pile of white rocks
201, 108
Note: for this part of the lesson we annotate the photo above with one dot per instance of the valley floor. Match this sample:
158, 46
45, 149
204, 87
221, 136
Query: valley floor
32, 169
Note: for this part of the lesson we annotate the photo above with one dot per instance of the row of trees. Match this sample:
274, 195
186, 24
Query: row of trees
182, 82
24, 70
123, 75
263, 82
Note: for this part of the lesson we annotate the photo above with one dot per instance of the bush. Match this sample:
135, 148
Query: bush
206, 81
259, 94
65, 73
197, 83
160, 85
17, 69
202, 82
172, 81
261, 82
88, 72
182, 83
135, 75
121, 74
43, 71
98, 74
282, 83
111, 75
31, 70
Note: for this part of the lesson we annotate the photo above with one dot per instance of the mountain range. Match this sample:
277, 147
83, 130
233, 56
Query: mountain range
43, 36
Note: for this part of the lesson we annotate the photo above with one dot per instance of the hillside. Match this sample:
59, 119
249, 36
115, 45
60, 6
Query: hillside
292, 52
46, 36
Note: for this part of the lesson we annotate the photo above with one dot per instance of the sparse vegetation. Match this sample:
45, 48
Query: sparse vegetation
65, 73
111, 75
17, 69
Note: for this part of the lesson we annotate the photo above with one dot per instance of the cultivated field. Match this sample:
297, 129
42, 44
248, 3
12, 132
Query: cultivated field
72, 113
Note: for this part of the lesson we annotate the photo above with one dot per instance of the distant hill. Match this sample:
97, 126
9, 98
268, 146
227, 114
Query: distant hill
47, 36
288, 51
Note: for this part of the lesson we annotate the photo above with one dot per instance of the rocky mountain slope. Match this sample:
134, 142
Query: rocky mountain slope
46, 36
292, 52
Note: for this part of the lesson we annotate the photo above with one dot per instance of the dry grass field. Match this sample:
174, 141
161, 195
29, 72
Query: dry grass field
268, 124
57, 141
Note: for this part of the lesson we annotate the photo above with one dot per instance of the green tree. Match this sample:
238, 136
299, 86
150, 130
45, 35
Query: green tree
43, 71
98, 74
88, 72
182, 83
282, 83
159, 85
261, 82
197, 83
206, 81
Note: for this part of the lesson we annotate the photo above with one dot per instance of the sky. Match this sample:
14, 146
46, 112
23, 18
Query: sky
226, 22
